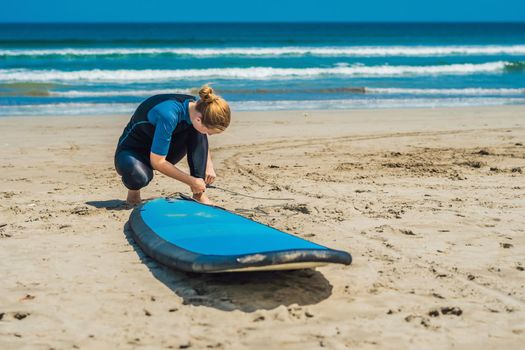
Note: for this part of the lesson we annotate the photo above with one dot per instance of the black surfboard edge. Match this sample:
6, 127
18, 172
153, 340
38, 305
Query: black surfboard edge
176, 257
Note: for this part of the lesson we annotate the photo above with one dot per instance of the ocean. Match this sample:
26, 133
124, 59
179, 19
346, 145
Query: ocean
67, 69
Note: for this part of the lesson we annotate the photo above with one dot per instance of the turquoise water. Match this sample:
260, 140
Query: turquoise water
110, 68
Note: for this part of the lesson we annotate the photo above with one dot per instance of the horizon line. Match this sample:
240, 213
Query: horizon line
273, 22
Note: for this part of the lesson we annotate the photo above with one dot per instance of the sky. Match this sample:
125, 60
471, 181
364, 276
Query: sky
262, 11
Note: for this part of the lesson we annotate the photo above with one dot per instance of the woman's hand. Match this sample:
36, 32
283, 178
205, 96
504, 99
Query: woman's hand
210, 174
198, 185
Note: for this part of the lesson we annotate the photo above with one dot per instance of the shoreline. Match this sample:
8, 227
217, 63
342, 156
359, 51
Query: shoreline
519, 106
429, 106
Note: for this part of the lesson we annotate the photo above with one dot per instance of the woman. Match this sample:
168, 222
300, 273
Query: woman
164, 129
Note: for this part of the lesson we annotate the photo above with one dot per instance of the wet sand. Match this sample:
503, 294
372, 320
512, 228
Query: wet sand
430, 202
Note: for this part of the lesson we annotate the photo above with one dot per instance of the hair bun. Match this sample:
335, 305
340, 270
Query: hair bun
216, 114
206, 94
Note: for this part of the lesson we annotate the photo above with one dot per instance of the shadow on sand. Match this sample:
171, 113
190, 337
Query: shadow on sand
115, 204
110, 204
245, 291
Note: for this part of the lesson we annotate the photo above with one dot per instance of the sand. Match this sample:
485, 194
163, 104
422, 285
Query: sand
430, 202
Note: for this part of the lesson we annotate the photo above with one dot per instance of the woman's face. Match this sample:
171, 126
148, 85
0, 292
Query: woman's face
197, 124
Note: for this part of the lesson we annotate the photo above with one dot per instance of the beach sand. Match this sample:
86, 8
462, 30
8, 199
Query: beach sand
430, 202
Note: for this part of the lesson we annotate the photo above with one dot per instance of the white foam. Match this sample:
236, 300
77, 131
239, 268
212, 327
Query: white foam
362, 103
68, 109
336, 51
138, 93
251, 73
466, 91
383, 91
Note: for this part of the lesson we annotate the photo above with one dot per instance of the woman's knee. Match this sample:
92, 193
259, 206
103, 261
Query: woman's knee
135, 174
135, 182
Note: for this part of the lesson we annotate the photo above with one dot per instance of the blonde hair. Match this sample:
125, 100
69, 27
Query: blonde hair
215, 110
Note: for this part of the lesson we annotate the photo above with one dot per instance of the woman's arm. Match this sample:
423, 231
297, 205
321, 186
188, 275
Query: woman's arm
210, 171
166, 116
160, 163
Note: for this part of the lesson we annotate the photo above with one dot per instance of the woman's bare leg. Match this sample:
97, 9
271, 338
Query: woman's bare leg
133, 197
203, 198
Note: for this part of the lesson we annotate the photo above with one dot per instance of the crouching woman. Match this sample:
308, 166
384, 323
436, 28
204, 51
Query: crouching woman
163, 130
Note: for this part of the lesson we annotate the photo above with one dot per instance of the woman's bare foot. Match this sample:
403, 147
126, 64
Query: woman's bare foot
133, 197
203, 198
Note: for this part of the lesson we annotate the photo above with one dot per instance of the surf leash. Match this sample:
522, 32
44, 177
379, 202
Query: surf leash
248, 196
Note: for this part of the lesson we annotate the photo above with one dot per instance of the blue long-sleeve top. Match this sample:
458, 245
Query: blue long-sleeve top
165, 117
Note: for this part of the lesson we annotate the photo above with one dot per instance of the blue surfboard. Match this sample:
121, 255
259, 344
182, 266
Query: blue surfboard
187, 235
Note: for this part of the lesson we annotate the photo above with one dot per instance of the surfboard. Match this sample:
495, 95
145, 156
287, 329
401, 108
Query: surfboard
184, 234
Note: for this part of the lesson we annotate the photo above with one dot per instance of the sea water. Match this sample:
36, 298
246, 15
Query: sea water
110, 68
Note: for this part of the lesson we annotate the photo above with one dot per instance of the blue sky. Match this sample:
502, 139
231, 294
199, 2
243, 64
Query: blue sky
257, 10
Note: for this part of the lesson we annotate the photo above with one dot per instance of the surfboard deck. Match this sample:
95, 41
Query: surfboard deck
187, 235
